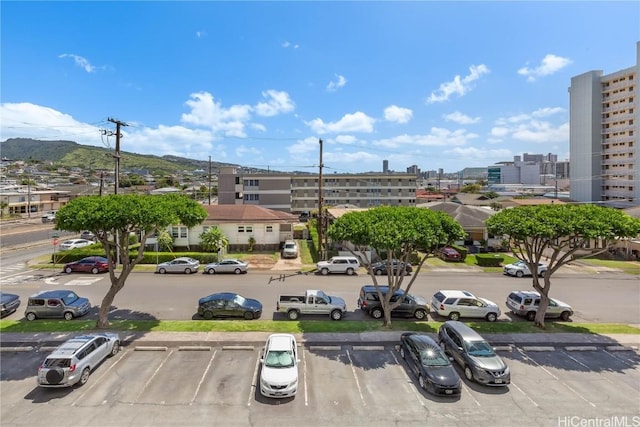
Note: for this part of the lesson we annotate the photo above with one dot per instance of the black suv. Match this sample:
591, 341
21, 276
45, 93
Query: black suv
411, 305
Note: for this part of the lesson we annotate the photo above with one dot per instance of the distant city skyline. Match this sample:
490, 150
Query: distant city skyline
439, 85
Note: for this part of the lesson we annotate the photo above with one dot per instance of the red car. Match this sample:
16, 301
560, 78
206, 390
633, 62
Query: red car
450, 254
91, 264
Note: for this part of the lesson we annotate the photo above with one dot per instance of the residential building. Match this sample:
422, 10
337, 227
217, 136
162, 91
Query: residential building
603, 139
299, 192
32, 203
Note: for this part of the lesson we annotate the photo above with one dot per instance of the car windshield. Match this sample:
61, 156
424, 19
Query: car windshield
240, 300
279, 359
70, 298
433, 356
479, 349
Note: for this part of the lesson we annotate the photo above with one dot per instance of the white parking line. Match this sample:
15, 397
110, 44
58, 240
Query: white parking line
83, 281
256, 382
195, 394
98, 380
304, 377
409, 381
151, 378
629, 364
464, 386
525, 395
353, 370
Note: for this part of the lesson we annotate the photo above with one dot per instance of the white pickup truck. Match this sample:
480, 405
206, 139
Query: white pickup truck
311, 302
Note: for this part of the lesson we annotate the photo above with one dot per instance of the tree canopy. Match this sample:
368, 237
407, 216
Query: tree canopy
559, 233
113, 218
398, 232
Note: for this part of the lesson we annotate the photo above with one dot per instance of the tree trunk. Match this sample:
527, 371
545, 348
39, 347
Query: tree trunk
387, 319
542, 310
103, 317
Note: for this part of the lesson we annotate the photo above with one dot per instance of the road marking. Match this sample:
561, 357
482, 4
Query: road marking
151, 379
206, 371
468, 390
83, 281
256, 382
406, 376
525, 395
98, 380
353, 370
629, 364
304, 378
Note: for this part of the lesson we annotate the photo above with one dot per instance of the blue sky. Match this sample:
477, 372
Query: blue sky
434, 84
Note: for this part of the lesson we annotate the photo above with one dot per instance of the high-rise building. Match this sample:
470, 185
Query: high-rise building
385, 166
603, 141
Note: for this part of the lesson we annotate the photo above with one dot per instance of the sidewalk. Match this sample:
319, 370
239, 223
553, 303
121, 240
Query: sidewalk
177, 339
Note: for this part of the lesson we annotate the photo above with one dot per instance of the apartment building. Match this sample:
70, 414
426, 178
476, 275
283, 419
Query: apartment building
603, 140
299, 192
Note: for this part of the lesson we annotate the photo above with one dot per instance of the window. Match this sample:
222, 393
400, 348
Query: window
269, 229
179, 232
36, 302
53, 303
241, 229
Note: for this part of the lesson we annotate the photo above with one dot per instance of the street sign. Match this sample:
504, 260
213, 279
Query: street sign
55, 241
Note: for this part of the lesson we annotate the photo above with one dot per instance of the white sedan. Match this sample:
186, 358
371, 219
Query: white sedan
74, 244
227, 266
520, 269
279, 372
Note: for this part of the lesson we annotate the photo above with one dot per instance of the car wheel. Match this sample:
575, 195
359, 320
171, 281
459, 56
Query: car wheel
208, 314
531, 316
350, 271
336, 315
492, 317
376, 313
402, 353
68, 315
30, 316
211, 271
468, 373
293, 314
237, 271
115, 349
187, 271
420, 314
378, 272
423, 384
162, 271
248, 315
324, 271
454, 316
95, 270
519, 274
84, 377
565, 316
68, 270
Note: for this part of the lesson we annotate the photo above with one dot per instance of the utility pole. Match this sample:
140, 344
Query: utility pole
209, 180
320, 214
117, 153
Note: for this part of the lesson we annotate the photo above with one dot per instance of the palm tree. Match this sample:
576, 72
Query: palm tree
213, 240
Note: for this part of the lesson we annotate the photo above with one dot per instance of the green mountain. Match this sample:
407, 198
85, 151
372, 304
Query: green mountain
70, 154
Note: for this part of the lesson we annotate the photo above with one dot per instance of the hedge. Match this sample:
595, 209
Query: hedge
489, 260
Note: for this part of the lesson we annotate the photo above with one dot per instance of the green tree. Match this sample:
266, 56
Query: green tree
471, 188
561, 233
118, 216
3, 205
213, 240
398, 232
165, 240
491, 195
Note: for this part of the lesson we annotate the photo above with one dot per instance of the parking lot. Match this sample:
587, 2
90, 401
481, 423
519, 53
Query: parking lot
339, 385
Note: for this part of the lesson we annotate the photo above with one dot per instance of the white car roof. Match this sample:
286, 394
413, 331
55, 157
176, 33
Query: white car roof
280, 342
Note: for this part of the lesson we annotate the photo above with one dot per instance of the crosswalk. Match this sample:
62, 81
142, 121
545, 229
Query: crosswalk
16, 274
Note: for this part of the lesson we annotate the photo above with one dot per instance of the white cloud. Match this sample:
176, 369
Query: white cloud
459, 85
278, 102
287, 44
436, 138
347, 140
356, 122
201, 34
396, 114
80, 62
460, 118
307, 145
349, 158
550, 64
336, 84
243, 151
169, 140
530, 127
474, 153
208, 113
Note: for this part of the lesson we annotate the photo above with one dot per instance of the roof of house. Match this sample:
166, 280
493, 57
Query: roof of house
466, 216
247, 214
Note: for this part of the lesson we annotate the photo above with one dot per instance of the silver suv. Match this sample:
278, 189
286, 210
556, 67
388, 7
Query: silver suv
339, 264
290, 249
457, 304
72, 362
525, 303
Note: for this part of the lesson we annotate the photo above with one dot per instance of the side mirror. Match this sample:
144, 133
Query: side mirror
262, 360
460, 349
450, 359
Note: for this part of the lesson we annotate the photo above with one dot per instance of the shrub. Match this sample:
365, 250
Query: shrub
489, 260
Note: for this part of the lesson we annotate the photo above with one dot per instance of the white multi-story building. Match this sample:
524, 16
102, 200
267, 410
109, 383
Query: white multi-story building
603, 140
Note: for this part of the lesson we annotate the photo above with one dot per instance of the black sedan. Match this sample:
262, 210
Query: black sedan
228, 304
9, 303
427, 360
381, 268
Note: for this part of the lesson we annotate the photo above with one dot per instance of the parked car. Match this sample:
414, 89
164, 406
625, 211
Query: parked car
226, 266
228, 304
382, 268
49, 217
457, 304
9, 303
91, 264
525, 303
279, 366
74, 244
449, 254
339, 264
88, 235
474, 354
73, 361
521, 269
430, 364
290, 249
184, 265
62, 304
411, 305
311, 302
